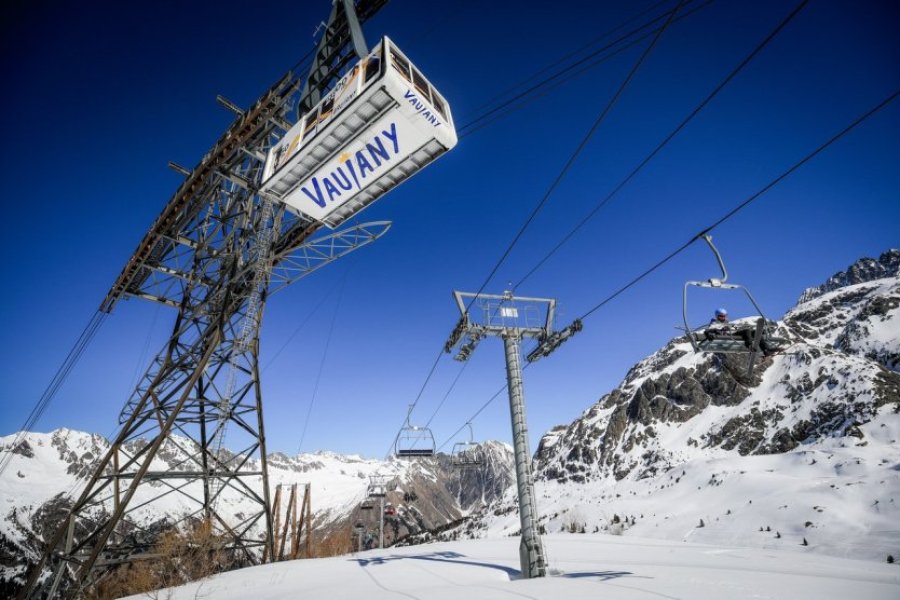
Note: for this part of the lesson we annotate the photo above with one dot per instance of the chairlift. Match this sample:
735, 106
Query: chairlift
389, 510
414, 441
466, 454
367, 505
377, 487
729, 339
410, 496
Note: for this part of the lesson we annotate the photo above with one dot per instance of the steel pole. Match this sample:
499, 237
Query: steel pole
381, 525
531, 550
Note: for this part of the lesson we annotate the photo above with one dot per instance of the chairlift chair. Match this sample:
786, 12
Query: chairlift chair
728, 340
414, 442
466, 454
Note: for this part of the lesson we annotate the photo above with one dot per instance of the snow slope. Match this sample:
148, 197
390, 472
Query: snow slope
805, 450
583, 567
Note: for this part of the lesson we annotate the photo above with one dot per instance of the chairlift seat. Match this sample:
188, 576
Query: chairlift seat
414, 452
414, 442
376, 492
465, 454
723, 344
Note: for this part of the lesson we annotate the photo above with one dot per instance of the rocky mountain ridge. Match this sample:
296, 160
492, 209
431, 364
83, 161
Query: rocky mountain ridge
821, 416
864, 270
49, 469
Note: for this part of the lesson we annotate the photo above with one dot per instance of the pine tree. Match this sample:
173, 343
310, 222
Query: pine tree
702, 524
777, 535
890, 559
805, 543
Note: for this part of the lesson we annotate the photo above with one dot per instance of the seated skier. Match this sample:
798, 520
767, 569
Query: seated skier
719, 326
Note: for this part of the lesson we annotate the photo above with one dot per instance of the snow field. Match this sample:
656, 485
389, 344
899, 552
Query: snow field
582, 567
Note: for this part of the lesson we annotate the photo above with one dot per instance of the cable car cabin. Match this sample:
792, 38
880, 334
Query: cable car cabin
389, 510
465, 454
414, 442
366, 505
381, 123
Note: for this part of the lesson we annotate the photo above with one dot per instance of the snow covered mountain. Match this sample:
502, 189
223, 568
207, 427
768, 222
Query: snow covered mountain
48, 469
803, 451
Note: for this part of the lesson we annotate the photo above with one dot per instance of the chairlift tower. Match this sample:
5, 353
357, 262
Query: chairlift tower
377, 489
215, 254
512, 319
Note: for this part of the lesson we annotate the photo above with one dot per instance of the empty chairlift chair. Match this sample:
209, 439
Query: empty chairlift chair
466, 454
414, 442
730, 338
377, 487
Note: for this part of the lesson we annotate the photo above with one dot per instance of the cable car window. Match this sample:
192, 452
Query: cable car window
326, 107
421, 84
311, 121
438, 104
400, 64
373, 67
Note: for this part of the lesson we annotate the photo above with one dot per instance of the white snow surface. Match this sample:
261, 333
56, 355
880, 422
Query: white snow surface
843, 500
339, 482
582, 566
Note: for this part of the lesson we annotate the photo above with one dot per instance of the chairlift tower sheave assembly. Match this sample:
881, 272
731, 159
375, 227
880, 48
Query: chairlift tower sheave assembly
513, 318
238, 229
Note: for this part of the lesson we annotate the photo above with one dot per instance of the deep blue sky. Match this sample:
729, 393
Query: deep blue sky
99, 96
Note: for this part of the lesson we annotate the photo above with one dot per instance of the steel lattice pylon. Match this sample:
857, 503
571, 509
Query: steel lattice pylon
215, 254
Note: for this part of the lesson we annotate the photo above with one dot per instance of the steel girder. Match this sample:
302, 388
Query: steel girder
199, 256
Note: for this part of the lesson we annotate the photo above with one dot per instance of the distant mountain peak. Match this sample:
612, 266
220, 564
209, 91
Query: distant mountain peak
862, 271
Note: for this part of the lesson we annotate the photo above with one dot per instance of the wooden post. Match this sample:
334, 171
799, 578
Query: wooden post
276, 506
292, 504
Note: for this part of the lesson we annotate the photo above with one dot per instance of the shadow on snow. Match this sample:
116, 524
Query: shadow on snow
454, 558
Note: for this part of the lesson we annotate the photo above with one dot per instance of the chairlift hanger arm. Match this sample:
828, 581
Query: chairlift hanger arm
708, 239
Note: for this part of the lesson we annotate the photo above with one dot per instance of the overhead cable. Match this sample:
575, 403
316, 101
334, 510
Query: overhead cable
552, 188
667, 139
55, 384
855, 123
571, 72
581, 146
600, 118
858, 121
312, 401
562, 59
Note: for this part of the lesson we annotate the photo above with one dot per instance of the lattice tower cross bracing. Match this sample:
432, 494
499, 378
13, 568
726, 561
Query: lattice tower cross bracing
215, 254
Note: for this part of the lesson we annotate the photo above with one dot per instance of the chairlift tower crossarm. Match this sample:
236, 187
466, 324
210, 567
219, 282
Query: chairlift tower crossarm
215, 253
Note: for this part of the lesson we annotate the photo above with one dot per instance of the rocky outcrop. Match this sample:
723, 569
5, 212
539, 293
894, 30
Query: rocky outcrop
424, 494
841, 369
862, 271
